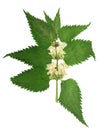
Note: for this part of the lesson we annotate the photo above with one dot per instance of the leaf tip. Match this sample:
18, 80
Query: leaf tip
89, 23
4, 56
24, 11
44, 12
59, 10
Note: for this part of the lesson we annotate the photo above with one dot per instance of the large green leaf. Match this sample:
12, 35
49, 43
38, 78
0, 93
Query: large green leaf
41, 31
70, 98
67, 33
78, 51
33, 80
34, 55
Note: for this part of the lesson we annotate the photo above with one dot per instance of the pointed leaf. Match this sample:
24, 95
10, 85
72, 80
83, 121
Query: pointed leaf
34, 55
41, 31
33, 80
70, 98
78, 51
57, 23
48, 19
67, 33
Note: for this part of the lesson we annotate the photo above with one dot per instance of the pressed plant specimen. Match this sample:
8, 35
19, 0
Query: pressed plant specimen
57, 49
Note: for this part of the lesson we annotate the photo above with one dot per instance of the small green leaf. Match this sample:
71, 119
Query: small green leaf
57, 22
34, 55
33, 80
67, 33
48, 19
41, 31
78, 51
70, 98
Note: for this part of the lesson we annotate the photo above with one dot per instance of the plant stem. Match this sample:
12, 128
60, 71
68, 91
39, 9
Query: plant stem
57, 77
56, 90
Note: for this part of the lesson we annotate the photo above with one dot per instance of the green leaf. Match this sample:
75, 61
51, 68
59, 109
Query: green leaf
78, 51
70, 98
33, 80
41, 31
48, 19
67, 33
57, 22
34, 55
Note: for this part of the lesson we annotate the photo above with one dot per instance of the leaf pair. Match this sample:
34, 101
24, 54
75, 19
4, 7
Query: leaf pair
35, 79
77, 51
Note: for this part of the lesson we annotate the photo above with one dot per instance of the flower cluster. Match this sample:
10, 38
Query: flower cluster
56, 49
57, 70
56, 73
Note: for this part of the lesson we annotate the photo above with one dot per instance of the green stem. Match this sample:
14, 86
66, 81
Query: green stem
56, 90
57, 77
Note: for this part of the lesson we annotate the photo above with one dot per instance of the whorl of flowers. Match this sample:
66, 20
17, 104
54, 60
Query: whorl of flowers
56, 69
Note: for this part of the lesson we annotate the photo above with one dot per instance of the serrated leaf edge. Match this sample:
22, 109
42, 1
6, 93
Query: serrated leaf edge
23, 87
9, 54
80, 104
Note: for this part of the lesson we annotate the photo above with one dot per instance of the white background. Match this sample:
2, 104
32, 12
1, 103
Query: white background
24, 110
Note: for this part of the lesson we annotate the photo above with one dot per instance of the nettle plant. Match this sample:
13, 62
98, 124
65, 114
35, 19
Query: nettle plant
56, 50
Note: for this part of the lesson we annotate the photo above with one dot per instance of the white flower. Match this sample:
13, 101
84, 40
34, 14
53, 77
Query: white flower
61, 43
57, 51
55, 72
62, 69
51, 68
60, 52
52, 52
